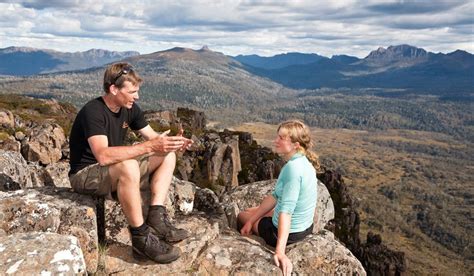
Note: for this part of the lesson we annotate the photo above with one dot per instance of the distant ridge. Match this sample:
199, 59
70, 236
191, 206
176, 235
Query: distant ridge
278, 61
401, 66
26, 61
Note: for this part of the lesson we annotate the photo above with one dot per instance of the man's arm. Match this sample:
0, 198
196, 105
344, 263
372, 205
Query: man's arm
148, 133
106, 155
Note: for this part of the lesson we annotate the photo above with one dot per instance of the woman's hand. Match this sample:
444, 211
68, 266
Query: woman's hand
246, 229
283, 262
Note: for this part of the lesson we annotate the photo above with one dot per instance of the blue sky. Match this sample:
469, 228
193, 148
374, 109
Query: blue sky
239, 27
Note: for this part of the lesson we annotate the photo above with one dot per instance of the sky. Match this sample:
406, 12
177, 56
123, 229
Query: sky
266, 28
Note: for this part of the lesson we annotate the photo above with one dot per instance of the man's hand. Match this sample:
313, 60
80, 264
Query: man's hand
187, 143
165, 144
246, 229
282, 261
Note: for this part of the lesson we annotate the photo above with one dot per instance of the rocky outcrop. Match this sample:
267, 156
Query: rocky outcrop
258, 163
193, 120
377, 259
214, 162
42, 253
45, 144
53, 210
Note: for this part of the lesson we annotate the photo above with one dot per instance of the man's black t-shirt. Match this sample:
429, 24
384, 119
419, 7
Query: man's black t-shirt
95, 118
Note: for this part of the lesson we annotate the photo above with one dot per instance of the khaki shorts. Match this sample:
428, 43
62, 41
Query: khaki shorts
95, 179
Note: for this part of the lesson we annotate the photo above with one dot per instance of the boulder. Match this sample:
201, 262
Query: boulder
42, 253
57, 175
7, 120
233, 254
251, 195
45, 144
14, 171
54, 210
322, 254
10, 144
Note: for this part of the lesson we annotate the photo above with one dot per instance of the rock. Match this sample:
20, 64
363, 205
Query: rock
206, 200
162, 120
45, 144
214, 162
251, 195
323, 255
19, 135
54, 210
346, 222
204, 229
224, 163
233, 254
258, 163
57, 175
320, 254
183, 193
41, 253
10, 144
7, 120
378, 259
193, 120
14, 172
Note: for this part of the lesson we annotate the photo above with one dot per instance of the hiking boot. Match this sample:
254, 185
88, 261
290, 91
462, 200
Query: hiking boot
148, 246
159, 221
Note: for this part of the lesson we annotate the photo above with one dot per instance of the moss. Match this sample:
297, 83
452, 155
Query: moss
4, 136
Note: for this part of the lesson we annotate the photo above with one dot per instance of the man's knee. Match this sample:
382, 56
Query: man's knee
168, 161
127, 168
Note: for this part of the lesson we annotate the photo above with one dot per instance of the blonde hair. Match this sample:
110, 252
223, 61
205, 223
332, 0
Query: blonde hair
297, 131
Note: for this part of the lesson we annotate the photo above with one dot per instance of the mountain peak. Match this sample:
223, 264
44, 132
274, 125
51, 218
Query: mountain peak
397, 52
204, 48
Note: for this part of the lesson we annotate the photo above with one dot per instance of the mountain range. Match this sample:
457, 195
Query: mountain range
396, 67
26, 61
402, 66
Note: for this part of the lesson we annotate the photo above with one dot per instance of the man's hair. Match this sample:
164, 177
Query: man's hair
118, 73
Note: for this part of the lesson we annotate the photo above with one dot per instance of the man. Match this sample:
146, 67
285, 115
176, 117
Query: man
102, 165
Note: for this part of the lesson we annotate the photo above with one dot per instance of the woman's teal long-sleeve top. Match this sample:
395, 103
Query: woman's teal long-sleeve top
296, 193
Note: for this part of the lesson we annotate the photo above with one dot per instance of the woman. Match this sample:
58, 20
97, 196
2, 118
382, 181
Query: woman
286, 216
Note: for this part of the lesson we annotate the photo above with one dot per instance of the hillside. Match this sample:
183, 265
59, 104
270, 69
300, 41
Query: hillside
200, 79
26, 61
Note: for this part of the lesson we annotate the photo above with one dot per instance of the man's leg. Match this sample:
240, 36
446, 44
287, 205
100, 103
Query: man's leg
125, 179
161, 169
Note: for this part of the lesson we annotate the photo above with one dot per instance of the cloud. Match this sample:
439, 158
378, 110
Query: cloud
266, 27
414, 6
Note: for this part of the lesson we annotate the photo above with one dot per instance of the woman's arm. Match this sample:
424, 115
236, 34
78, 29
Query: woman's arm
268, 203
280, 258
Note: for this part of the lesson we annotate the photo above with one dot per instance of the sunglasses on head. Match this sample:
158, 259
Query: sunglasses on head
125, 70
